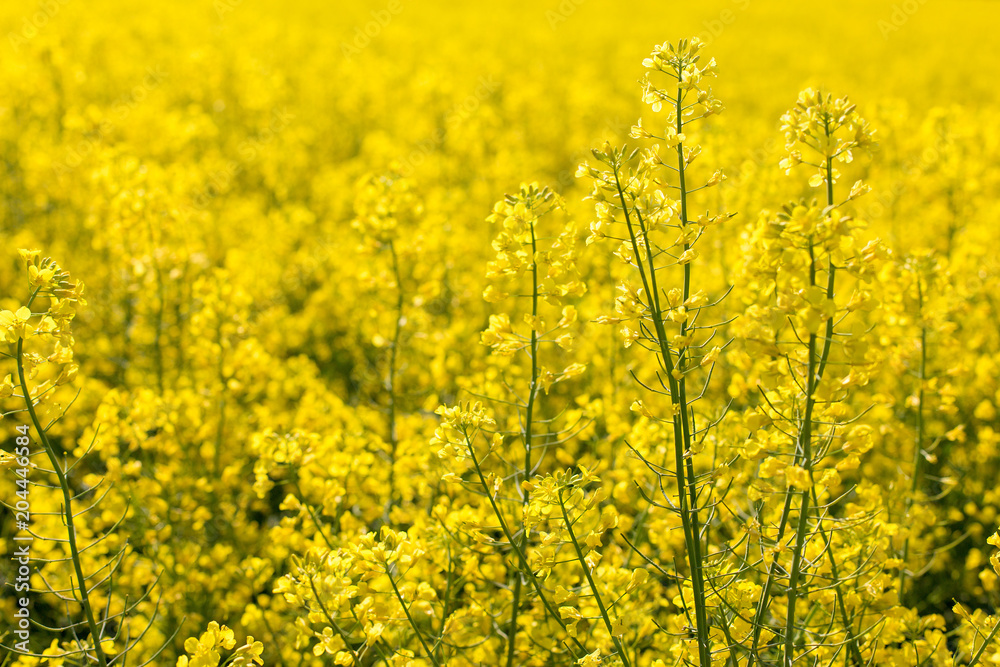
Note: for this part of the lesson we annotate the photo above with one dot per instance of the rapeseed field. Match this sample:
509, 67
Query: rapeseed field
570, 332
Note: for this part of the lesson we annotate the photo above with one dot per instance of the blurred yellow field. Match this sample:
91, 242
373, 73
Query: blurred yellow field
559, 333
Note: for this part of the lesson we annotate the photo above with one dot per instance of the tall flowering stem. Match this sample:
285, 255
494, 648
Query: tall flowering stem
648, 196
541, 268
41, 345
795, 248
385, 206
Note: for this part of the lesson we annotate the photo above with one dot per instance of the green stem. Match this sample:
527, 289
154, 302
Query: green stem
763, 604
805, 433
986, 642
391, 381
522, 558
333, 623
683, 472
805, 446
220, 430
697, 576
590, 580
527, 436
853, 650
918, 455
315, 519
413, 624
831, 269
68, 515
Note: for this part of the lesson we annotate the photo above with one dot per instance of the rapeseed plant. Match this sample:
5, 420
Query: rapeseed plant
665, 318
80, 565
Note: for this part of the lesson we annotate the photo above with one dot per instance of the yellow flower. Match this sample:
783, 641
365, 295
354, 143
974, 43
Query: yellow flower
249, 654
797, 477
40, 277
7, 387
772, 467
14, 325
29, 257
571, 616
203, 650
640, 407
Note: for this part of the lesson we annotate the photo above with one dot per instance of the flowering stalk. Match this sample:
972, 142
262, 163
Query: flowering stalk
548, 262
800, 125
522, 557
636, 189
384, 205
47, 278
391, 377
42, 345
518, 252
809, 232
526, 437
918, 445
927, 295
